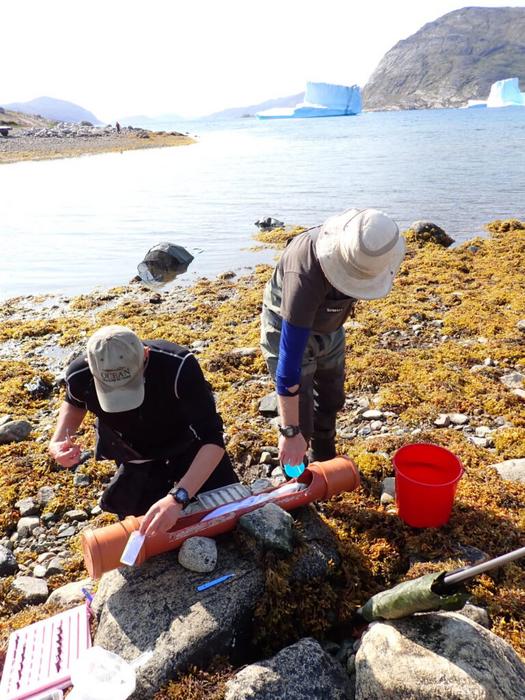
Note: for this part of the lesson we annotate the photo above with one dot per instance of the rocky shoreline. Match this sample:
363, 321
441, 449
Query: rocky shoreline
439, 360
65, 140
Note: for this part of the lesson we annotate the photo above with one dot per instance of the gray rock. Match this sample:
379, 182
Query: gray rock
302, 670
480, 441
521, 325
268, 405
520, 393
458, 418
25, 526
5, 418
55, 566
38, 388
436, 656
45, 494
260, 485
39, 571
16, 431
265, 458
156, 606
476, 614
271, 526
81, 479
75, 515
388, 490
376, 425
96, 510
514, 380
482, 431
511, 470
67, 532
27, 506
198, 554
8, 564
373, 414
71, 594
442, 421
33, 590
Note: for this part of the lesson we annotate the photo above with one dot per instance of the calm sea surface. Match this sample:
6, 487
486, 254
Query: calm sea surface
72, 225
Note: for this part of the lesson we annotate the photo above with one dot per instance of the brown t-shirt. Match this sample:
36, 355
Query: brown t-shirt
299, 292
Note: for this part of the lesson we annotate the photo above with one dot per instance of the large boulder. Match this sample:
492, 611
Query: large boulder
436, 656
302, 670
157, 606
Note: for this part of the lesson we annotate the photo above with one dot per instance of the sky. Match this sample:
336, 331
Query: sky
124, 58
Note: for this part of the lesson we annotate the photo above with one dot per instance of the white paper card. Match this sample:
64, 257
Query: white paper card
132, 548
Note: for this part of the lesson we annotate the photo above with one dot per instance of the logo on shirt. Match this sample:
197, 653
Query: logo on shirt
115, 375
332, 311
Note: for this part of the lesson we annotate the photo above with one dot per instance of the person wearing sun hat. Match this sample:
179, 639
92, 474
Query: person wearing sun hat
314, 288
156, 418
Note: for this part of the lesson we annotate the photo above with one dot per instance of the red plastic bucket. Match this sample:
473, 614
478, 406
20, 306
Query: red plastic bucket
426, 481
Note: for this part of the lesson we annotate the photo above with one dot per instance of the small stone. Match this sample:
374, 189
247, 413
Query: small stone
96, 510
198, 554
373, 414
8, 563
266, 458
426, 231
71, 593
514, 380
81, 480
16, 431
245, 352
437, 323
364, 431
44, 557
477, 614
482, 431
479, 441
347, 433
67, 532
39, 571
260, 485
45, 494
376, 425
268, 405
442, 421
54, 567
27, 506
271, 526
388, 490
520, 393
489, 362
278, 471
38, 388
25, 526
75, 515
521, 325
5, 419
458, 418
33, 590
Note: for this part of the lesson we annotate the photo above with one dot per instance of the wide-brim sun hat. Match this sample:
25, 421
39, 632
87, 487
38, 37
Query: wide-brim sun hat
360, 252
115, 357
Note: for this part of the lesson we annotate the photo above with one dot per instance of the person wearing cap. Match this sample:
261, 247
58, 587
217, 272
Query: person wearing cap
156, 418
313, 290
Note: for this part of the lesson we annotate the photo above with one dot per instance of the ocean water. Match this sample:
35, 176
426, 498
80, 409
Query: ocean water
75, 224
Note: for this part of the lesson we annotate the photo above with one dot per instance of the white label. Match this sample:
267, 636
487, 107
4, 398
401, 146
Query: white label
132, 549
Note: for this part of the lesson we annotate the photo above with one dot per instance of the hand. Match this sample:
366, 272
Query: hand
65, 452
292, 450
161, 517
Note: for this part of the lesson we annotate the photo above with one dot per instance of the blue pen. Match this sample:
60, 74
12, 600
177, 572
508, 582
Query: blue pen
87, 595
215, 582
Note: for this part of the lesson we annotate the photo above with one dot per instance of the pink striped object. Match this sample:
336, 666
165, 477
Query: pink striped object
39, 656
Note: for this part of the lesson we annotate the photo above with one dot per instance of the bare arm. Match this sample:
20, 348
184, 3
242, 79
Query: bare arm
291, 450
163, 514
61, 447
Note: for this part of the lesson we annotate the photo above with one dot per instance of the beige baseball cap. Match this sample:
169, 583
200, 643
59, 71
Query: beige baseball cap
360, 252
116, 359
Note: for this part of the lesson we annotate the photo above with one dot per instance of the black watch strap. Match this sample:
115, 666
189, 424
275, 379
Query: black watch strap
180, 495
289, 430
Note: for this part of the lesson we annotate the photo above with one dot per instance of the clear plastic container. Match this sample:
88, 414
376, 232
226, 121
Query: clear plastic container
101, 675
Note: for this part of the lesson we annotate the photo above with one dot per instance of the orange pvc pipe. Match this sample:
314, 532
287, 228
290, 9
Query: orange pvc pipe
103, 547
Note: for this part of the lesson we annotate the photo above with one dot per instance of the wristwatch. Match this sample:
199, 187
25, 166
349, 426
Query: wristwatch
289, 430
180, 495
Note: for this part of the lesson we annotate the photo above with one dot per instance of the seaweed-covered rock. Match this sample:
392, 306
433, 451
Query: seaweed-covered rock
436, 656
426, 232
302, 670
157, 606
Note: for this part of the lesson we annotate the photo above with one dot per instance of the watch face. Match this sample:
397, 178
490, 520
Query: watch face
182, 496
289, 430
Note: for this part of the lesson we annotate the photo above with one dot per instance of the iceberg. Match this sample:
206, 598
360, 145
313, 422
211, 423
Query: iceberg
320, 100
506, 93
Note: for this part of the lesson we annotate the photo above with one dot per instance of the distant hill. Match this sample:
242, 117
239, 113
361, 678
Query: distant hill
58, 110
451, 60
16, 120
235, 112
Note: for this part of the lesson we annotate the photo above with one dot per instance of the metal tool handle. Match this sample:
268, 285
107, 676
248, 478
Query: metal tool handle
470, 572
